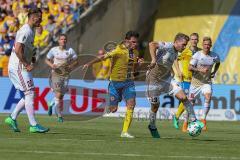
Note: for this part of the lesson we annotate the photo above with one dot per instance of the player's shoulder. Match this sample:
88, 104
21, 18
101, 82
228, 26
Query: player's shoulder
214, 54
25, 28
197, 54
165, 45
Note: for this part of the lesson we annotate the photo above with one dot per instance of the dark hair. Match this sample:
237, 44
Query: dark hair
130, 34
62, 34
194, 34
181, 36
34, 11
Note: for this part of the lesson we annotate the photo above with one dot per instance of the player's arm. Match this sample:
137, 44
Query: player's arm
153, 46
179, 73
193, 65
215, 69
49, 62
49, 59
100, 58
19, 50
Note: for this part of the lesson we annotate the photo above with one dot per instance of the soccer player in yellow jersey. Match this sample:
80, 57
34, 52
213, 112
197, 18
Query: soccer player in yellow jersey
124, 60
185, 75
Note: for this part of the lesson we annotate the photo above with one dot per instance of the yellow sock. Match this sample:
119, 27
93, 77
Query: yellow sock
180, 110
127, 120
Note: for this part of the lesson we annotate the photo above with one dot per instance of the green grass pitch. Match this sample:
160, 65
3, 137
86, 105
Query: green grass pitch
98, 139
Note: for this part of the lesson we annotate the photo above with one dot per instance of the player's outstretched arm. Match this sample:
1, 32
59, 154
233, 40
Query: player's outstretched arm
95, 60
19, 50
153, 46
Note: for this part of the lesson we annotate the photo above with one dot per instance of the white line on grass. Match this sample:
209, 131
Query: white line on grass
123, 155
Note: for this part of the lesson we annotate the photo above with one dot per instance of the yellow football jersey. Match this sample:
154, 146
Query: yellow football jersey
184, 61
123, 63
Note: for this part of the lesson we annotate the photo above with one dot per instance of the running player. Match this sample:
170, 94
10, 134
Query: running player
124, 60
159, 78
56, 57
20, 67
185, 76
204, 65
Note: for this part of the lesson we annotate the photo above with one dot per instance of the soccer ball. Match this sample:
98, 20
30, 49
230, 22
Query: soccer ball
194, 129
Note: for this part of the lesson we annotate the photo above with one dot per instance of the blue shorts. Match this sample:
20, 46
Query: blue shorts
185, 86
117, 90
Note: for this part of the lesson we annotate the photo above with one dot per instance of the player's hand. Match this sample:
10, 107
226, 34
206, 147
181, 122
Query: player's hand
180, 76
203, 69
29, 67
152, 65
140, 61
85, 66
54, 66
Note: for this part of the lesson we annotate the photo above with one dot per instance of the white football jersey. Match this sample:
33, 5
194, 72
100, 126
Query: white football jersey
166, 54
25, 35
201, 60
60, 57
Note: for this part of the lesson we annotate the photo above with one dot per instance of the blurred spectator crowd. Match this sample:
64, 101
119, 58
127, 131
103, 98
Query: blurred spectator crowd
58, 17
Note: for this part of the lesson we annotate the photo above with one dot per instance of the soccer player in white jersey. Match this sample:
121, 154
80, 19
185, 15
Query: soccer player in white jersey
204, 65
56, 57
20, 67
159, 78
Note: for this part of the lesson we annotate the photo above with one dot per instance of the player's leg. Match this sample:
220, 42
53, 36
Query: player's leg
58, 106
12, 119
129, 95
207, 92
28, 89
153, 93
155, 103
115, 96
180, 95
181, 108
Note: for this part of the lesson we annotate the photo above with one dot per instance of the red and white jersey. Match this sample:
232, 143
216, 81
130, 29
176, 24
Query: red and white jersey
25, 35
201, 60
60, 57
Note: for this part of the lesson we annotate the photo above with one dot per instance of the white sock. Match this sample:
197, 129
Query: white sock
206, 110
57, 107
189, 109
152, 119
29, 101
19, 107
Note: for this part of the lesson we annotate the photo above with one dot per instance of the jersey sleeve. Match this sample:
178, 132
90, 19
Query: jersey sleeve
21, 37
111, 54
194, 59
217, 58
74, 54
50, 54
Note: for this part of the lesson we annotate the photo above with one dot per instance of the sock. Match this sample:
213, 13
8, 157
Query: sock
180, 110
189, 109
19, 107
152, 119
127, 120
57, 107
29, 99
206, 110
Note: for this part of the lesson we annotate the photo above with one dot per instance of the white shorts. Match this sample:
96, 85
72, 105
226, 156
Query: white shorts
169, 86
194, 92
21, 79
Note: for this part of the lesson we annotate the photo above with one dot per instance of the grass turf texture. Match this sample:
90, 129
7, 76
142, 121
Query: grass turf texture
100, 139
